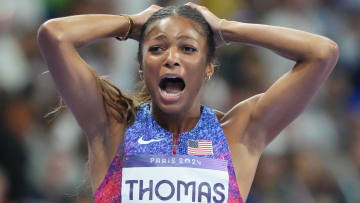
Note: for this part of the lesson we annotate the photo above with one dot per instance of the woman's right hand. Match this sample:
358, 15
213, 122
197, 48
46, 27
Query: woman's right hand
140, 19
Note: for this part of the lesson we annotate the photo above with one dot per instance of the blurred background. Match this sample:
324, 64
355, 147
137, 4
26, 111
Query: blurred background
316, 159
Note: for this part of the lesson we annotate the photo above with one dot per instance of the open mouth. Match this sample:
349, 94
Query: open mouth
171, 87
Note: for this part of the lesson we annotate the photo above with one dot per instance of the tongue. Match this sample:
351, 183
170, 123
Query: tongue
173, 87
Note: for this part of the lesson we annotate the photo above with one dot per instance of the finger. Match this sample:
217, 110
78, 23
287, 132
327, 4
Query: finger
158, 8
195, 6
155, 7
191, 4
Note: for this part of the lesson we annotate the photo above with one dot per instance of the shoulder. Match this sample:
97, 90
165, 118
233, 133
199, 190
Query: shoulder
242, 109
236, 121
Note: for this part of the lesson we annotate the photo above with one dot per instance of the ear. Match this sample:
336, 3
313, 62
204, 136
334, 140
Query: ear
210, 69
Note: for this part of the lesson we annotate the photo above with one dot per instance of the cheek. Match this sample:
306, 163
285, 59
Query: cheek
150, 66
199, 79
197, 67
196, 79
150, 70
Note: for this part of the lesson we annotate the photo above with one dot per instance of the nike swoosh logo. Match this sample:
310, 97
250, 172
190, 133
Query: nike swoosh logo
141, 141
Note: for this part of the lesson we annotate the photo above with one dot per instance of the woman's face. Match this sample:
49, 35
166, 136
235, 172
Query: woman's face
175, 64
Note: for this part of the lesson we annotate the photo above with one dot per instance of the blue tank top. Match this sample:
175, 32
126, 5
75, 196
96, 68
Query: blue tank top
145, 136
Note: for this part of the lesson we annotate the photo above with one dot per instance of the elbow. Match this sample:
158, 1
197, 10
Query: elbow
330, 51
327, 53
49, 32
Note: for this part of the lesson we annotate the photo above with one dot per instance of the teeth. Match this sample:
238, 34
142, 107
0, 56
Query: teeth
170, 94
171, 77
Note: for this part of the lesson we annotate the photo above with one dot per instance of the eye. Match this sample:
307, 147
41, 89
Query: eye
189, 49
155, 49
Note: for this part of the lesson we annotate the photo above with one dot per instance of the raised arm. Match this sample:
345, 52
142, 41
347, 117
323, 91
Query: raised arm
77, 82
272, 111
315, 58
74, 79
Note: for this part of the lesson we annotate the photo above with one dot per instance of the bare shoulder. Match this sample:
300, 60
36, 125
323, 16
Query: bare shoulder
240, 111
235, 121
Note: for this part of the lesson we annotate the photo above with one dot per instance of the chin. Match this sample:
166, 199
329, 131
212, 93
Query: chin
171, 107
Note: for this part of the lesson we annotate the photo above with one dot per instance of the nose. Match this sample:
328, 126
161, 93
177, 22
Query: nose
172, 59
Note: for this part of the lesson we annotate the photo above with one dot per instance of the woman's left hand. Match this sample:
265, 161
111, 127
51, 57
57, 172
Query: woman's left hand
212, 19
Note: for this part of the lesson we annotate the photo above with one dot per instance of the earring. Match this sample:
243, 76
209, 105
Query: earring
141, 76
208, 78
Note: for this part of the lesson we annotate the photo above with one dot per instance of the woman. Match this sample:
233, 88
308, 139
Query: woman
176, 56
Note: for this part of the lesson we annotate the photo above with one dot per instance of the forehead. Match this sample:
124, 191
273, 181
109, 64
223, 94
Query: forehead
175, 26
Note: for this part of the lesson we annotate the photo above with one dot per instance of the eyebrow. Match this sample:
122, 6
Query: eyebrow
162, 37
185, 37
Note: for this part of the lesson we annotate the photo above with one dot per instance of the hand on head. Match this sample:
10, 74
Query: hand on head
214, 22
212, 19
141, 18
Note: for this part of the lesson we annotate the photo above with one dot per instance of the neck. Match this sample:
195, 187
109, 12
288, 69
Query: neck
177, 122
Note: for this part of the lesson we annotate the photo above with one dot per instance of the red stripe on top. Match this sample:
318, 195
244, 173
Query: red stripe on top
175, 142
